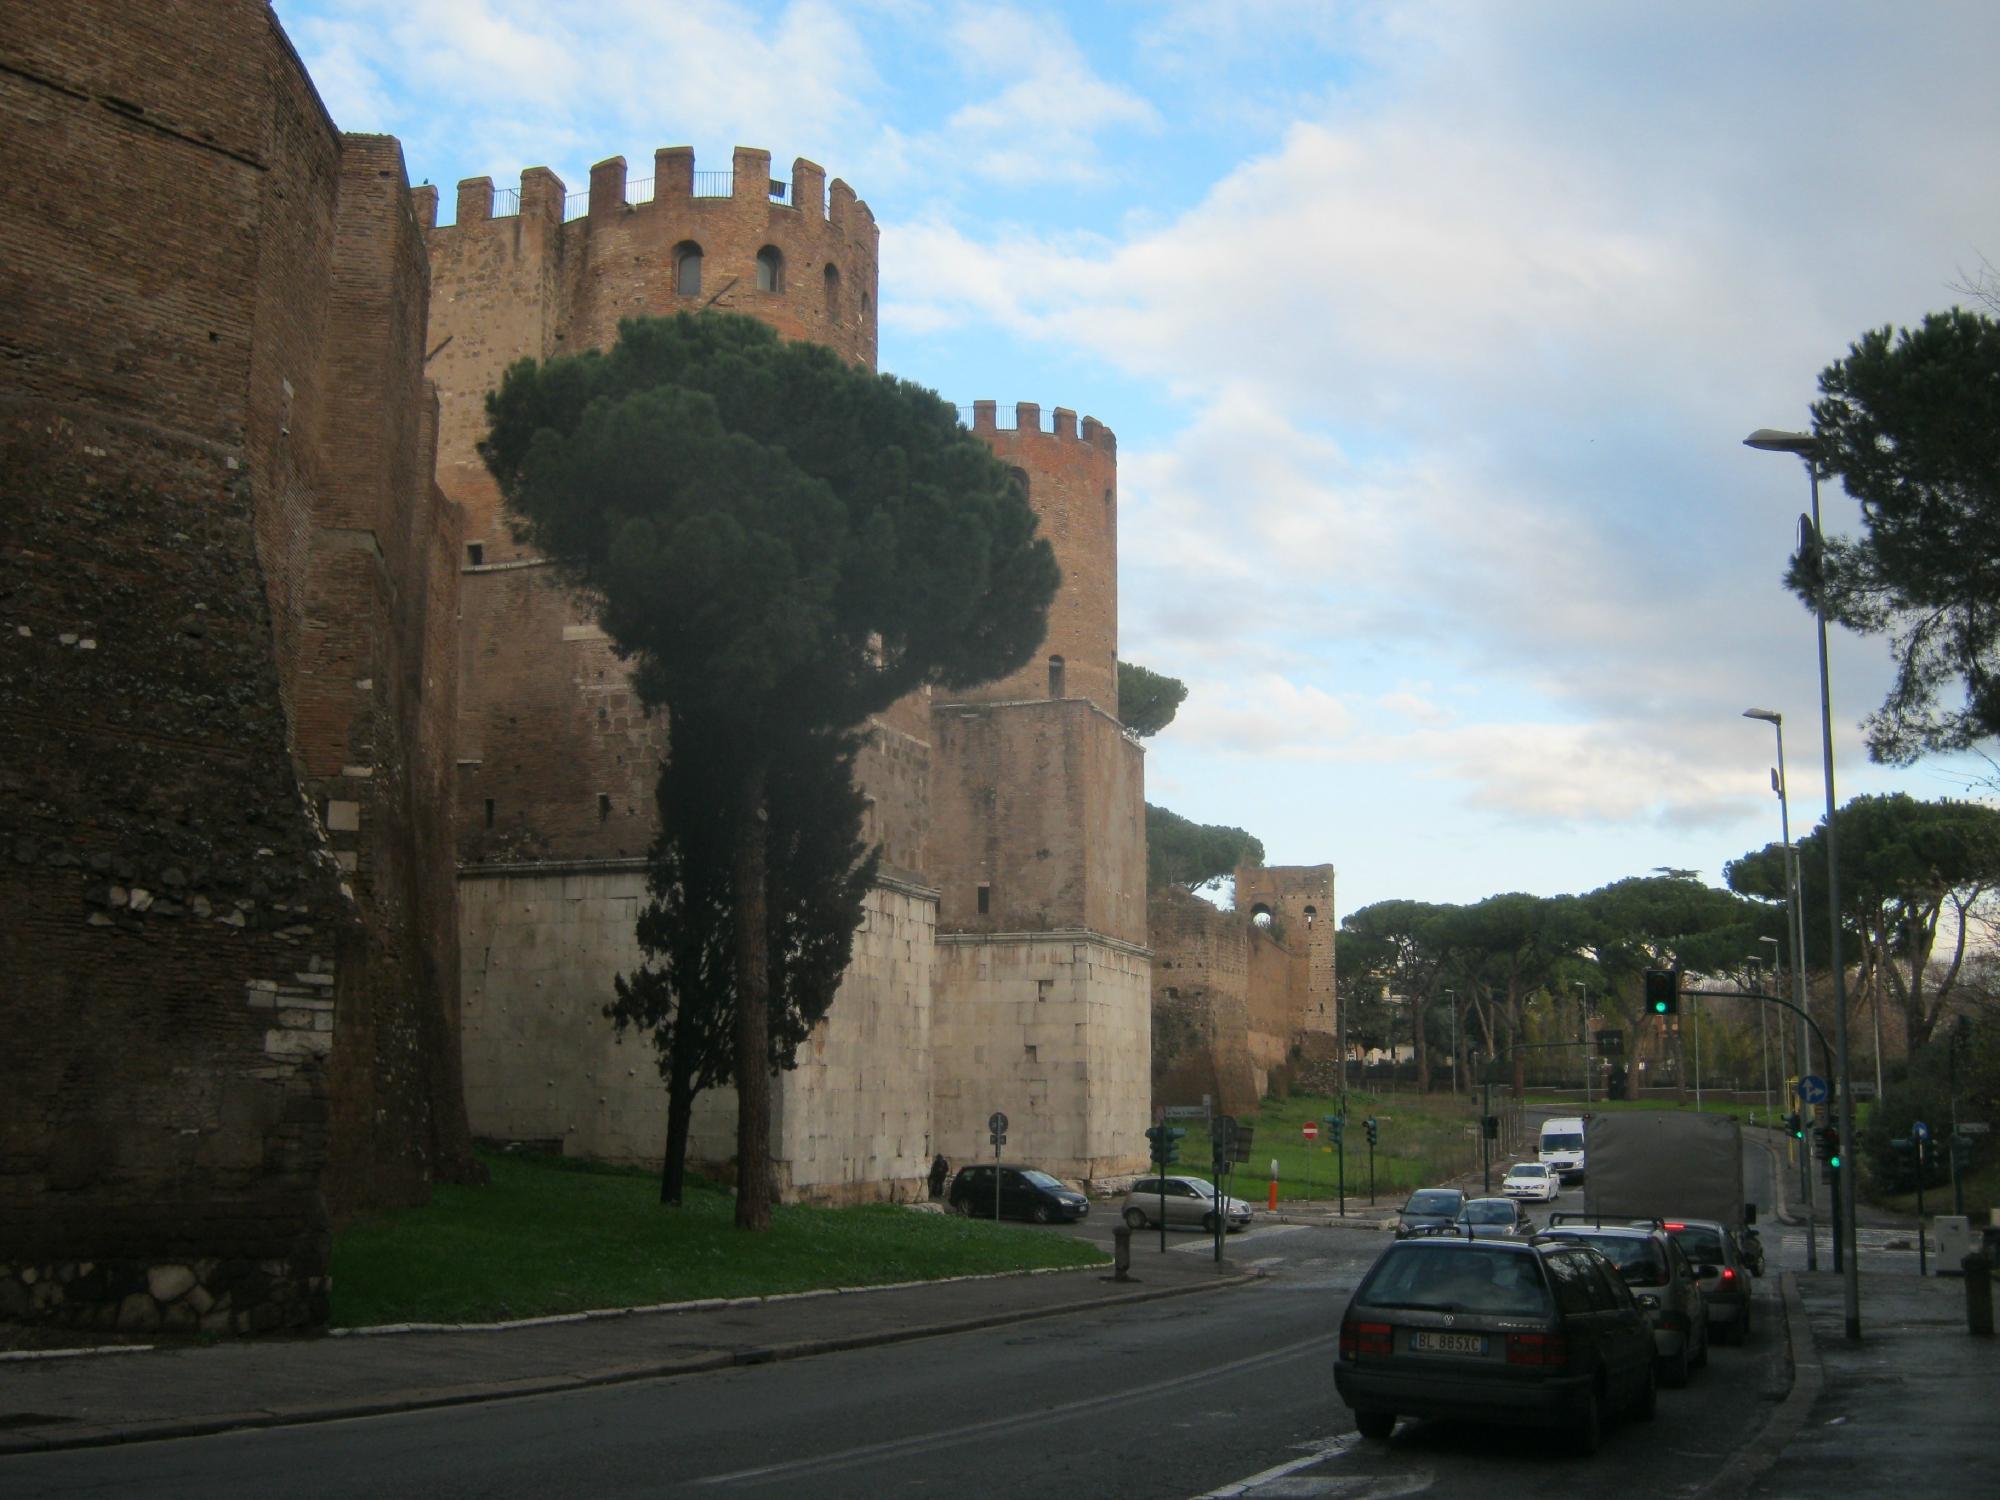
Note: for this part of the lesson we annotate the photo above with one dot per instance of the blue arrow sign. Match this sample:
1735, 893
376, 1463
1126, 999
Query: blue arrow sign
1920, 1131
1812, 1089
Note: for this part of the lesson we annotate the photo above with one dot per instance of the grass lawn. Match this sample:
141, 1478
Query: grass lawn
1422, 1139
555, 1236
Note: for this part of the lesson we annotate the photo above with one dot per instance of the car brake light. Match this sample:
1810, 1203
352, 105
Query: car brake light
1537, 1349
1673, 1228
1729, 1273
1365, 1338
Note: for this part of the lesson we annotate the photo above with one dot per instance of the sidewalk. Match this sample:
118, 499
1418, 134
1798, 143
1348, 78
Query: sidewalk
87, 1399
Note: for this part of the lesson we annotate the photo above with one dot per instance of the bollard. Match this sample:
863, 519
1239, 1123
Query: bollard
1978, 1294
1121, 1253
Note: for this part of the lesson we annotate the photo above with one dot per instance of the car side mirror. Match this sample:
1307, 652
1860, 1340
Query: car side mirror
1648, 1301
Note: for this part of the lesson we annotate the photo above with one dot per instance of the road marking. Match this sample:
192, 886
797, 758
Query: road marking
1278, 1484
1317, 1452
957, 1436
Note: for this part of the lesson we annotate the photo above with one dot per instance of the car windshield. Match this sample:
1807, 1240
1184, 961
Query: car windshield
1456, 1278
1637, 1259
1700, 1244
1041, 1179
1532, 1170
1433, 1201
1562, 1143
1487, 1211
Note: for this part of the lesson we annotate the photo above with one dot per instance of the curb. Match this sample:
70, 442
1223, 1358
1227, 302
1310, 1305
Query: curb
1808, 1379
500, 1390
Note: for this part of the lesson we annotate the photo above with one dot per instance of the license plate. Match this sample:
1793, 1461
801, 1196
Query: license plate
1448, 1343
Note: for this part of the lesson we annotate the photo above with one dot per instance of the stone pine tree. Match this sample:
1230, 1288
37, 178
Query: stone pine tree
1199, 856
1147, 700
818, 877
782, 544
1910, 422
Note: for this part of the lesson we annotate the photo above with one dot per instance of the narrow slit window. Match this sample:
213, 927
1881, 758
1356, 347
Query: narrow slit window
1056, 675
489, 812
687, 268
832, 292
770, 269
603, 807
985, 899
475, 554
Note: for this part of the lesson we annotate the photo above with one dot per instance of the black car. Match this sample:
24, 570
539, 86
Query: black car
1429, 1209
1494, 1331
1492, 1219
1025, 1193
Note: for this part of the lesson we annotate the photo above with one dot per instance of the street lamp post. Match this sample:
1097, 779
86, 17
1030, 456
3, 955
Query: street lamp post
1452, 995
1806, 447
1583, 1030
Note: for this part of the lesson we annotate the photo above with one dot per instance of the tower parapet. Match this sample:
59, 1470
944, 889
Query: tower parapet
1070, 472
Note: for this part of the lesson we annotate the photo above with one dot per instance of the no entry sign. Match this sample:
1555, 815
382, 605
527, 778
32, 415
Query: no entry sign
1310, 1130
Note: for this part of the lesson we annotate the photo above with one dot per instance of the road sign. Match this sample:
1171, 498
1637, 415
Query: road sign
1974, 1127
997, 1123
1812, 1089
1310, 1131
1185, 1112
1611, 1042
1920, 1131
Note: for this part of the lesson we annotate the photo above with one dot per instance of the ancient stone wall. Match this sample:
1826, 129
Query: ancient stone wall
1051, 1029
216, 623
544, 1067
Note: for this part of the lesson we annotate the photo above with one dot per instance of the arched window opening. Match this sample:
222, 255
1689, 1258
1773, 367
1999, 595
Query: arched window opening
687, 268
1311, 912
1110, 507
1260, 915
864, 307
770, 270
832, 291
1055, 677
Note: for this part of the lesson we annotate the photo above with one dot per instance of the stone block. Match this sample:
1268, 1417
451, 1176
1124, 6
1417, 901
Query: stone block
169, 1283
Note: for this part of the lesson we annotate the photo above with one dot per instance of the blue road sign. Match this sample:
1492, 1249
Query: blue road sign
1920, 1131
1812, 1089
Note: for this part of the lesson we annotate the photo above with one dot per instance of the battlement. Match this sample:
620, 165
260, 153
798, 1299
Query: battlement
675, 180
1027, 417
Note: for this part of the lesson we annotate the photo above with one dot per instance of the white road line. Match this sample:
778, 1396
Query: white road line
1319, 1452
897, 1447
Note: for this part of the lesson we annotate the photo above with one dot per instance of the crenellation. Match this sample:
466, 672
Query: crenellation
750, 169
475, 200
673, 173
809, 189
842, 204
542, 195
1065, 422
424, 203
607, 186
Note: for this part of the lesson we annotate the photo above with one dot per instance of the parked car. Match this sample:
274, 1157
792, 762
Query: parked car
1429, 1209
1530, 1179
1661, 1277
1491, 1219
1723, 1268
1025, 1193
1188, 1200
1542, 1331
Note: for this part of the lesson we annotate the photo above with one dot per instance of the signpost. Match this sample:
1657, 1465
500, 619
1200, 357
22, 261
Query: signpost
1337, 1124
1311, 1132
996, 1131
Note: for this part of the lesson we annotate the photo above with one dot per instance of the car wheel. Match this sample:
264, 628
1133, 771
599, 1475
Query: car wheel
1648, 1400
1135, 1218
1039, 1213
1375, 1425
1209, 1221
1743, 1325
1589, 1436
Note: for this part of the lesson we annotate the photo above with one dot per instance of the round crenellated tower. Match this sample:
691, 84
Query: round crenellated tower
1071, 477
547, 272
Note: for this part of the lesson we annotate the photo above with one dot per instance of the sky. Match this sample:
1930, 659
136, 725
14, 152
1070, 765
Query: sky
1430, 333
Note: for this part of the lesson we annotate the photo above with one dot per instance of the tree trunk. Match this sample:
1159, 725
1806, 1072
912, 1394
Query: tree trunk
753, 999
680, 1114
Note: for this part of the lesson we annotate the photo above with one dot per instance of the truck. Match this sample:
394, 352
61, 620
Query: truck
1666, 1164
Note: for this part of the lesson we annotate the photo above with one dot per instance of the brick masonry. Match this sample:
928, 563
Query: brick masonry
229, 966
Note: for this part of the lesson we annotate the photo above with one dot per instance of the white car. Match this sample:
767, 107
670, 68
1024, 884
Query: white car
1531, 1179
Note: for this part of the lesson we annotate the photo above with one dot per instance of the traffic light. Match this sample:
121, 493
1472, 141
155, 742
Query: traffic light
1165, 1143
1961, 1151
1372, 1129
1829, 1145
1663, 992
1336, 1126
1489, 1126
1795, 1125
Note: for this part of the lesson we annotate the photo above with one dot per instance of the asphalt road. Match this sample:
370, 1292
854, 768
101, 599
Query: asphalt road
1223, 1394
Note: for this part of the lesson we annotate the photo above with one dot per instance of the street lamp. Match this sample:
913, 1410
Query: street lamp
1453, 995
1806, 447
1583, 1030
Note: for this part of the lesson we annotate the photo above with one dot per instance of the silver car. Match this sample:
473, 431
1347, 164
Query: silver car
1185, 1200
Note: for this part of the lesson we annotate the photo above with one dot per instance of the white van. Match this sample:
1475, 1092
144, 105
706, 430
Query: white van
1562, 1147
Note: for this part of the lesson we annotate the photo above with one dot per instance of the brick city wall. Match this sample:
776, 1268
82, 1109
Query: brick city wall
1201, 1020
186, 280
